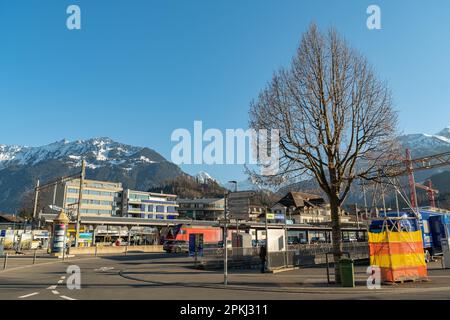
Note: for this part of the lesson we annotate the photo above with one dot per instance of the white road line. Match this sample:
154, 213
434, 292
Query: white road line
29, 295
52, 288
55, 292
67, 298
60, 281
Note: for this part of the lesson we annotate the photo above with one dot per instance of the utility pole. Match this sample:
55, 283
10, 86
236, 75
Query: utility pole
267, 241
225, 242
36, 197
396, 203
80, 200
286, 243
55, 189
357, 215
412, 182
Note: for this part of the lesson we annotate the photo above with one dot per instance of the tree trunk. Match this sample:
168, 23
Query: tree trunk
336, 235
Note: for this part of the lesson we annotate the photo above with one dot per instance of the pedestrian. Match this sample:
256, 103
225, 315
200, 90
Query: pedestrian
263, 257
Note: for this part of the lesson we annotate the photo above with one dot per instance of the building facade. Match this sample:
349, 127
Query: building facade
306, 208
99, 198
102, 198
147, 205
202, 209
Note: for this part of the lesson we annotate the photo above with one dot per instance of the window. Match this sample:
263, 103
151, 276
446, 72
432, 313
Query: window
159, 208
426, 226
171, 210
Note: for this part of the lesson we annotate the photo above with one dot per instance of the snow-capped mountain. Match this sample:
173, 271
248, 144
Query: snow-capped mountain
136, 167
98, 152
427, 144
204, 177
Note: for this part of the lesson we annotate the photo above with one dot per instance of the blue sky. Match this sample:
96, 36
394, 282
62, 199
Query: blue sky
140, 69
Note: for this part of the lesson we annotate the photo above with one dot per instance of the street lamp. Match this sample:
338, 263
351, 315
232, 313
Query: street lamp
235, 185
225, 233
225, 241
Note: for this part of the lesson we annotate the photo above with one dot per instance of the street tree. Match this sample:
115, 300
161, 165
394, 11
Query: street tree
335, 119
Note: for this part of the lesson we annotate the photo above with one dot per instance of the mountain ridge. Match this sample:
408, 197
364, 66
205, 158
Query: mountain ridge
136, 167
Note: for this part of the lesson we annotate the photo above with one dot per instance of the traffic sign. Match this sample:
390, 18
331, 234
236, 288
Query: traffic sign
3, 233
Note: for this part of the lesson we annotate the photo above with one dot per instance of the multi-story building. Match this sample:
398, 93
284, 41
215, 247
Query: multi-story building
99, 198
202, 209
303, 207
148, 205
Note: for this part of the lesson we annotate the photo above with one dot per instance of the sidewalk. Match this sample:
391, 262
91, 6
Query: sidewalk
306, 280
26, 259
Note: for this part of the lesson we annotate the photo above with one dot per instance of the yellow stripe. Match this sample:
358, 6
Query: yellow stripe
398, 260
415, 236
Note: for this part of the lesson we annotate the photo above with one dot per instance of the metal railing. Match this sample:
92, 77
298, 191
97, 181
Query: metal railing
302, 255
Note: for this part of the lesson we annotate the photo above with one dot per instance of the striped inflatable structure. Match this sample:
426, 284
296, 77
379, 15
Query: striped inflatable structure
398, 253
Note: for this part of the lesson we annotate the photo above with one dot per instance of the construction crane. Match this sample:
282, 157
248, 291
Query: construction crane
409, 166
430, 191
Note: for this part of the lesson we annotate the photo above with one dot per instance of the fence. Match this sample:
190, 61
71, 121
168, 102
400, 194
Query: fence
313, 254
302, 255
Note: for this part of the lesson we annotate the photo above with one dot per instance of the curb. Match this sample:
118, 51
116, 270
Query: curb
41, 264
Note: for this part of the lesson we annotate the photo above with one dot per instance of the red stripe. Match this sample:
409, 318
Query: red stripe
395, 248
405, 273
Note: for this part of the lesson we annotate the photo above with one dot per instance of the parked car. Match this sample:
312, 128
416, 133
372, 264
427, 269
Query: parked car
176, 246
229, 244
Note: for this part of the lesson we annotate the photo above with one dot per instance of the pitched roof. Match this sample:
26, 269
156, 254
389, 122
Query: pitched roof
300, 199
10, 218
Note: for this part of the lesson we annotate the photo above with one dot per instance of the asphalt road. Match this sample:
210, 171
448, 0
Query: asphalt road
166, 277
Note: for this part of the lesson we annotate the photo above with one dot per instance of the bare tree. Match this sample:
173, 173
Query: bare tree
335, 119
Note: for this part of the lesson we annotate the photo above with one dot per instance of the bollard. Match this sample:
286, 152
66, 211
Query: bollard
96, 248
126, 250
34, 256
5, 263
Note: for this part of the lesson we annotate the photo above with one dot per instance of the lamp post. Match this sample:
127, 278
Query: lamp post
235, 190
225, 242
225, 232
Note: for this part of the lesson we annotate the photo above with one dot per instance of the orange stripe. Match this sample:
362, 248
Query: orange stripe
405, 273
395, 248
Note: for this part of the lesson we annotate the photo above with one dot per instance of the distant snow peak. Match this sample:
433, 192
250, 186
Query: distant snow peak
204, 177
445, 133
146, 160
98, 152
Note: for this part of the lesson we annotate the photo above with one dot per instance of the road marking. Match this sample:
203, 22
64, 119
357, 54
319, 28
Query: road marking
55, 292
52, 288
60, 281
67, 298
63, 277
103, 269
29, 295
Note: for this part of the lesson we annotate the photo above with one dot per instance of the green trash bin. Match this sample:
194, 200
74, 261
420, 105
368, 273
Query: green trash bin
347, 272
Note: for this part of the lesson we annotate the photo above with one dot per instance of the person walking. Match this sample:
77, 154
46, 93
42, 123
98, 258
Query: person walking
263, 257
